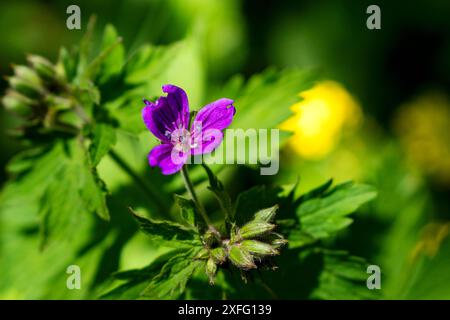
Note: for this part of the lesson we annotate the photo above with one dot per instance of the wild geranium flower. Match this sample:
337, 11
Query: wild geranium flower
168, 119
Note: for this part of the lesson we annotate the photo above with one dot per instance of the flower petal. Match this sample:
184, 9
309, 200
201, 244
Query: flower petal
178, 103
206, 132
218, 114
154, 119
167, 158
167, 114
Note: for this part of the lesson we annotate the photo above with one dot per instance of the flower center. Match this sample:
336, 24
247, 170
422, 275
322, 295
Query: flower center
181, 140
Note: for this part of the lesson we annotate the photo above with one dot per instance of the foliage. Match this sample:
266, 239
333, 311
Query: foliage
60, 207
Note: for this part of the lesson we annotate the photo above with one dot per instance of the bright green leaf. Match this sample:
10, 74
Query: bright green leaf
168, 232
323, 213
104, 137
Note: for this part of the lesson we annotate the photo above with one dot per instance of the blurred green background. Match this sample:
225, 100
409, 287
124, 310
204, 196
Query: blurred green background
383, 106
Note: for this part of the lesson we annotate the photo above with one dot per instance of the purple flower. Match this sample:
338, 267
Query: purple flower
168, 120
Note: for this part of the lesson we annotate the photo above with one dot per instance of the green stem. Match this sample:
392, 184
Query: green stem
148, 189
193, 195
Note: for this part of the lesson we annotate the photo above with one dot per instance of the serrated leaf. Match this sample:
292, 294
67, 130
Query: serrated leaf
93, 193
138, 279
322, 213
171, 282
168, 232
104, 137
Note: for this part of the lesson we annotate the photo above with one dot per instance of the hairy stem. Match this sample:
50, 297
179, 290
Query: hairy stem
152, 192
193, 195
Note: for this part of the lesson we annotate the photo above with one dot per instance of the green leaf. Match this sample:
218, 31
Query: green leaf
171, 282
137, 280
67, 64
266, 99
104, 138
164, 278
114, 60
61, 183
188, 212
150, 62
73, 184
93, 192
86, 45
343, 277
168, 232
322, 213
263, 104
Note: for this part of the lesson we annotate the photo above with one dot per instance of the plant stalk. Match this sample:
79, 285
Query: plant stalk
190, 189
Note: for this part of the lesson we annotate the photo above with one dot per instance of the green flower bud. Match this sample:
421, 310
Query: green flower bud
219, 255
255, 228
241, 258
267, 214
25, 87
18, 104
211, 269
27, 74
43, 67
259, 248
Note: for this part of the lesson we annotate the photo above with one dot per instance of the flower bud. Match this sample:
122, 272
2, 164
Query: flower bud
259, 248
43, 67
211, 269
18, 104
27, 74
241, 258
267, 214
255, 228
24, 87
219, 255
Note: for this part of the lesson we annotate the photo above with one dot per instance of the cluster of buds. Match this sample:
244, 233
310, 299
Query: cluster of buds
37, 93
247, 246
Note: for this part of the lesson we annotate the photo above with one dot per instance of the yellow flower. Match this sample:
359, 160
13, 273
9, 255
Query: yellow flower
319, 119
422, 127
